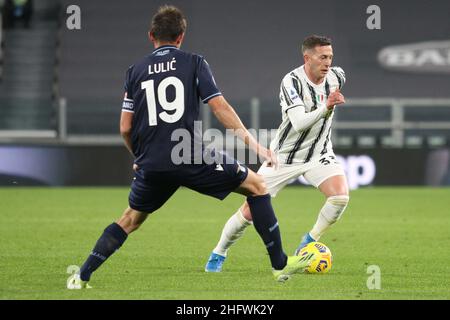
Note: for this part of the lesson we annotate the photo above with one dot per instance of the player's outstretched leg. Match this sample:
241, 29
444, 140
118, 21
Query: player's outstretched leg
294, 264
110, 241
232, 231
336, 190
266, 225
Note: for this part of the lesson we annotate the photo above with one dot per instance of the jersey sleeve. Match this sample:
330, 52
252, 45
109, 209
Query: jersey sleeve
290, 94
340, 75
128, 102
206, 84
291, 101
302, 120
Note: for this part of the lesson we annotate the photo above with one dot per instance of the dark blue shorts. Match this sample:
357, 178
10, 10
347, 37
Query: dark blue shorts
151, 189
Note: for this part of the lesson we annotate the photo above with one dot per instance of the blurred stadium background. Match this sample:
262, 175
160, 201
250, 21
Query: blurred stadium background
61, 92
61, 89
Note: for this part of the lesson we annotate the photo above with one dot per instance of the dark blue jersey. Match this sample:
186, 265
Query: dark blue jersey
163, 91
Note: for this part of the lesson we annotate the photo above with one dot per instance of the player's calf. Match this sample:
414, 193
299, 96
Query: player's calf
131, 220
264, 218
331, 212
338, 204
232, 231
111, 240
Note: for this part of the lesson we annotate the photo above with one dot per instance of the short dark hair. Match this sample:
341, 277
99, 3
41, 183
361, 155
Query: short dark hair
312, 41
168, 23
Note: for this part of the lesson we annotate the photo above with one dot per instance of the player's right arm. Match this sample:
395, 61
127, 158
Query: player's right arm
294, 107
224, 112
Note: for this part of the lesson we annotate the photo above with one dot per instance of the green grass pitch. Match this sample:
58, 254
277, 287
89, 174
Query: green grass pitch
404, 231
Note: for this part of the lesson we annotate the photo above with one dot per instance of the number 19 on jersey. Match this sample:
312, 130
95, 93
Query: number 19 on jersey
176, 106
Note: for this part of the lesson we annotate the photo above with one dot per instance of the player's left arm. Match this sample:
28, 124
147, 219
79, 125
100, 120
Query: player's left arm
126, 117
126, 123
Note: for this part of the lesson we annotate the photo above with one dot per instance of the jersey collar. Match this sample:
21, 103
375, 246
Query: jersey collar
303, 72
164, 47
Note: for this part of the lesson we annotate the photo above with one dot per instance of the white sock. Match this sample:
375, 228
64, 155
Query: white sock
232, 231
329, 214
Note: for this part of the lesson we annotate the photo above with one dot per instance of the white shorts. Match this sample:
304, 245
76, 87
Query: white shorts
315, 172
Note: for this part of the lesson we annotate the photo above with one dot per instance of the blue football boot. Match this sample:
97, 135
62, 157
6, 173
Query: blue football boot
214, 263
305, 240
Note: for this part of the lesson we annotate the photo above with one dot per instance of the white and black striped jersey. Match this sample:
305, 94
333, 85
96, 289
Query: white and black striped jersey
306, 123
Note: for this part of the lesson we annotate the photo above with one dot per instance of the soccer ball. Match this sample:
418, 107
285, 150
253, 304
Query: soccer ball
323, 259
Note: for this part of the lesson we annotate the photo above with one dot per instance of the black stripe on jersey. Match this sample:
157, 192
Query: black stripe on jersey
302, 137
297, 85
327, 88
297, 145
324, 150
338, 76
313, 146
297, 105
284, 135
282, 96
313, 97
286, 96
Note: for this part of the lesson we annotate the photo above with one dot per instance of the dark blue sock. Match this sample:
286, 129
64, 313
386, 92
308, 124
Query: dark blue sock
266, 225
112, 239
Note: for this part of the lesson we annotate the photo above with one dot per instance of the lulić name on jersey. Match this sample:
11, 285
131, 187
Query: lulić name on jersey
162, 67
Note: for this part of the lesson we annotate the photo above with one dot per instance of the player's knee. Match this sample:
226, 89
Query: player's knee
259, 187
338, 203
